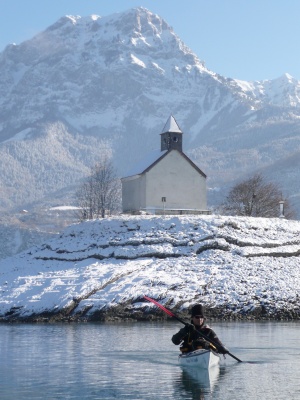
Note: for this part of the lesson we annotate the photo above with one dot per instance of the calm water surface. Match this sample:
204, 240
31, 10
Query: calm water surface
139, 361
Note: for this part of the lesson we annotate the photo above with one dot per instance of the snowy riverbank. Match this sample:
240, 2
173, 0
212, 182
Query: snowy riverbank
237, 267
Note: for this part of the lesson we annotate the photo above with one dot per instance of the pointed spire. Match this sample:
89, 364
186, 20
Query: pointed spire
171, 136
171, 126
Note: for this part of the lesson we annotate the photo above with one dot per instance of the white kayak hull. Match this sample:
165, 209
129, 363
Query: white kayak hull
201, 358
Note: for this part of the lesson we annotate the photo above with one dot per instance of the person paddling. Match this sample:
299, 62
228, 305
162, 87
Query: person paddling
197, 335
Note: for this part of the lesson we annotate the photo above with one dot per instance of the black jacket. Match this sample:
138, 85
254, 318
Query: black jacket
191, 339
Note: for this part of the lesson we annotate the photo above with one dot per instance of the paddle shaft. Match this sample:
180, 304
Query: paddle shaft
169, 312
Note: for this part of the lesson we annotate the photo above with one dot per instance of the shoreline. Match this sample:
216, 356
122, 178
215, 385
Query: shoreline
119, 314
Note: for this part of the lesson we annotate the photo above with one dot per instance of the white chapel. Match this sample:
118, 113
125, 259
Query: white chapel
166, 181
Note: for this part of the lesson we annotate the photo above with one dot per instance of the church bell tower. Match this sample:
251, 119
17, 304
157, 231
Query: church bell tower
171, 136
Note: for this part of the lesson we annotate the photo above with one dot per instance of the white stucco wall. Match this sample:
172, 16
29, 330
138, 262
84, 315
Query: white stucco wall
133, 193
177, 180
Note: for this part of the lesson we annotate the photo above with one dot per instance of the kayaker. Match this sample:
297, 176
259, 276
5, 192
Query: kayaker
190, 336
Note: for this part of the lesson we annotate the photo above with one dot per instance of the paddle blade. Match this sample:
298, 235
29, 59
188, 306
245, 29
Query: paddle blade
160, 306
237, 359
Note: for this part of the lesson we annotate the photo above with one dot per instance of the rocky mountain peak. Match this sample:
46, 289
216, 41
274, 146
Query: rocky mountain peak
283, 91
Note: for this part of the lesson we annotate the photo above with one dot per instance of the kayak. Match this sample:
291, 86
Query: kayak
199, 358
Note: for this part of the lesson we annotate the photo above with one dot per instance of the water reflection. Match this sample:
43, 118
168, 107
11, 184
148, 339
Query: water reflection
198, 382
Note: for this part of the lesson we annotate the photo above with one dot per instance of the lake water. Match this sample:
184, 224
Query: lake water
139, 361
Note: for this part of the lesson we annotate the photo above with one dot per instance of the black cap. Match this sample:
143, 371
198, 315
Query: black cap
197, 309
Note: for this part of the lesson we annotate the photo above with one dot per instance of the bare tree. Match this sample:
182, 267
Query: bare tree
257, 198
100, 194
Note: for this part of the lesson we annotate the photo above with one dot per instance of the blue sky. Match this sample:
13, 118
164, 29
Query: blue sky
242, 39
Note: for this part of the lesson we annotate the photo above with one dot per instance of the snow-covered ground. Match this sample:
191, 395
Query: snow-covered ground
234, 264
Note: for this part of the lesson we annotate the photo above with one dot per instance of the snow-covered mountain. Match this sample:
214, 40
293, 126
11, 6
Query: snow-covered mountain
91, 86
101, 269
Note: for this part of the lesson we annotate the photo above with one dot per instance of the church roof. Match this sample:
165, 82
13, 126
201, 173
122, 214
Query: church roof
153, 158
148, 160
171, 126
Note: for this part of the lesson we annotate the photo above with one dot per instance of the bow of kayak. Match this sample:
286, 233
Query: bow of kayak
201, 358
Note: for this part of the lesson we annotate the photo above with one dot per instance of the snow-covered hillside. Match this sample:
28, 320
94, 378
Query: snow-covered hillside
101, 269
89, 87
